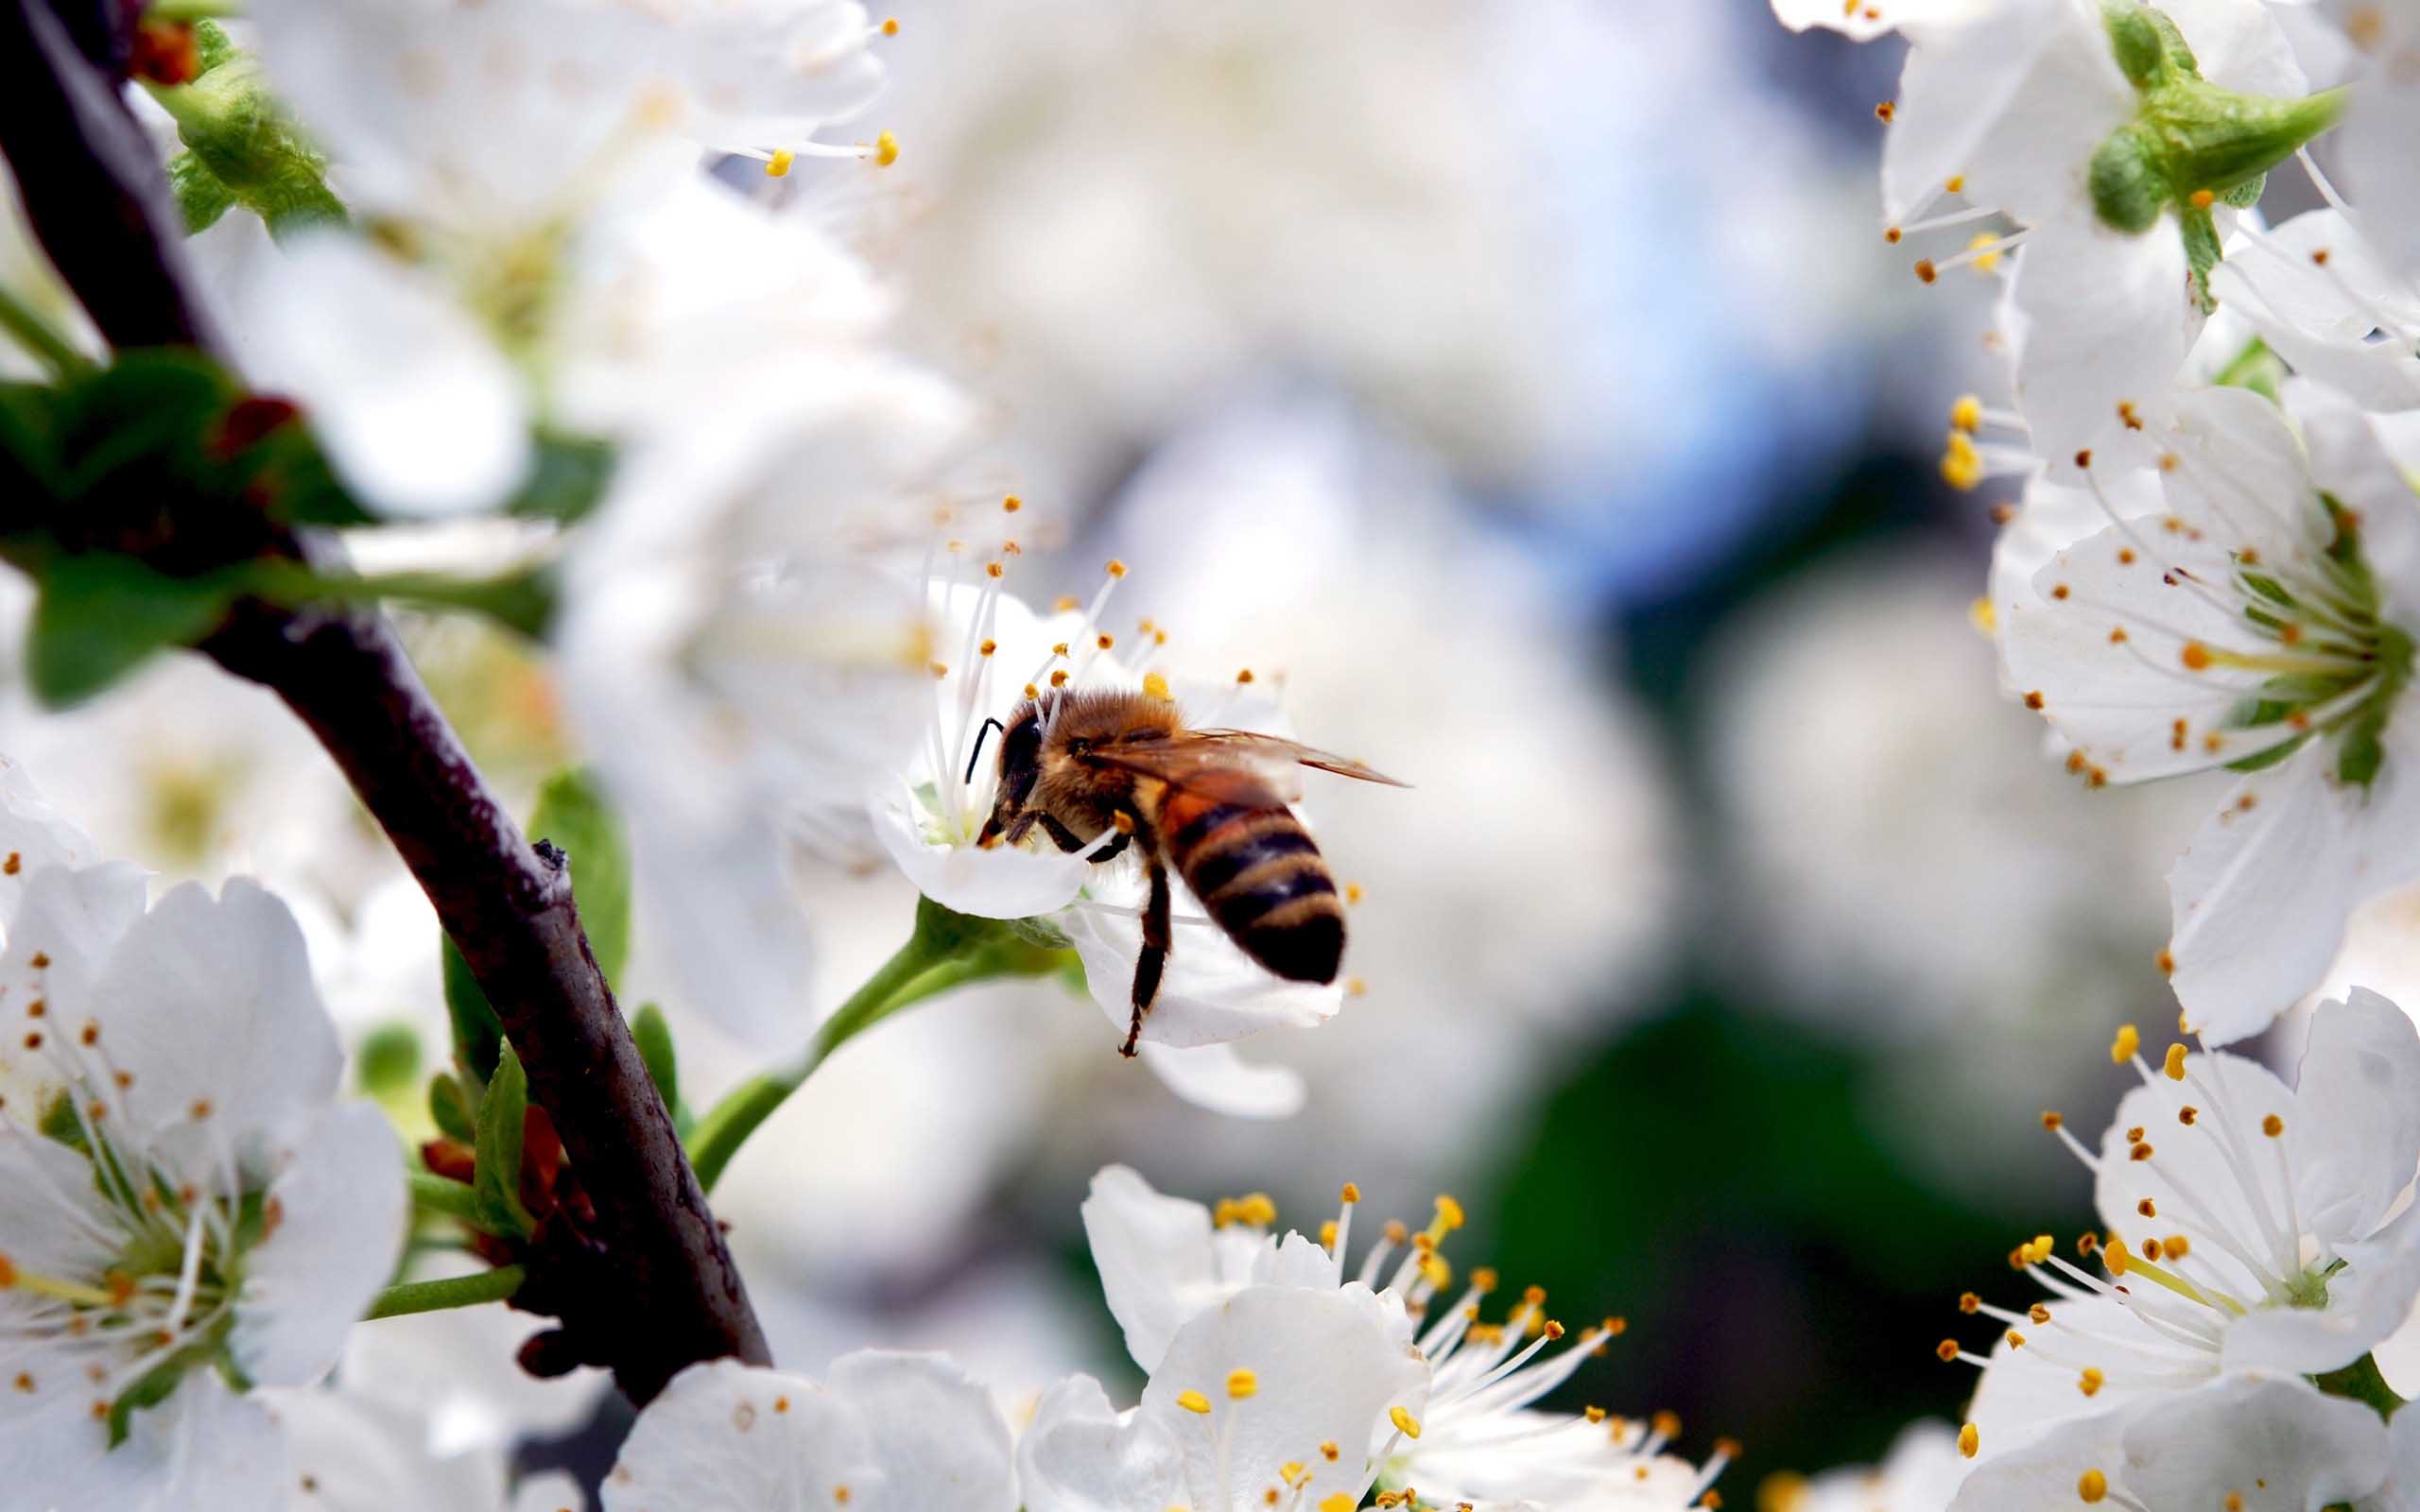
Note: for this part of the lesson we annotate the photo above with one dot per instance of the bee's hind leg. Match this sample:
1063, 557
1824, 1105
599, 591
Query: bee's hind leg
1154, 956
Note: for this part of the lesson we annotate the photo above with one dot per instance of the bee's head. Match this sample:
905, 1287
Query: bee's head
1019, 766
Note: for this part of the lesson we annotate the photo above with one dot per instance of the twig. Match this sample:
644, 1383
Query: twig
648, 1287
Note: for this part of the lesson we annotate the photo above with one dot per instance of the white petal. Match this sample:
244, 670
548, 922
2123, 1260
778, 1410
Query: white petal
2276, 1441
2401, 1492
941, 1442
419, 411
1211, 992
2366, 1302
2259, 899
2381, 171
1001, 883
731, 924
341, 1218
1079, 1455
2360, 1092
1216, 1077
2319, 316
1154, 1256
207, 1002
730, 1437
2237, 44
70, 919
2108, 321
2351, 460
1329, 1365
2022, 1397
33, 834
354, 1453
2014, 102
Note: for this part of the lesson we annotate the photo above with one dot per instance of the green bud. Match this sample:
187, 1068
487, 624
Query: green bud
389, 1060
2128, 189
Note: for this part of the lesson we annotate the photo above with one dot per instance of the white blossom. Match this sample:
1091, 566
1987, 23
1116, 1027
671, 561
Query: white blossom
185, 1201
2251, 1227
2259, 618
1921, 1473
885, 1431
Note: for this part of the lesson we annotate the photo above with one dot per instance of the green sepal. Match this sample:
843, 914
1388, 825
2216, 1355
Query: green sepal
160, 1382
496, 1178
239, 134
573, 813
2202, 252
449, 1109
1041, 933
478, 1033
201, 199
58, 1121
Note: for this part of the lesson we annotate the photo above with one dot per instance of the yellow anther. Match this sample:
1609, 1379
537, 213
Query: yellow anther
1484, 1279
778, 166
1449, 1214
1966, 414
1327, 1234
1243, 676
1595, 1415
2175, 1247
988, 647
2093, 1485
1242, 1382
886, 150
891, 26
1352, 1192
1405, 1423
1059, 679
2091, 1382
1292, 1471
1983, 616
2273, 1125
1193, 1401
1335, 1501
1117, 568
1989, 262
1156, 686
2174, 1066
1961, 465
1104, 640
1328, 1451
1970, 1440
1012, 504
1436, 1272
2122, 1049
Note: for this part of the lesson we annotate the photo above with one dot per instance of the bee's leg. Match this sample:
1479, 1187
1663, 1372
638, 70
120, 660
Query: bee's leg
1013, 834
1061, 836
1154, 956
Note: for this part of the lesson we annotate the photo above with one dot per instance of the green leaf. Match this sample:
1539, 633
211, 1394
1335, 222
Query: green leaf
567, 479
572, 812
497, 1175
99, 615
388, 1061
654, 1037
449, 1107
478, 1033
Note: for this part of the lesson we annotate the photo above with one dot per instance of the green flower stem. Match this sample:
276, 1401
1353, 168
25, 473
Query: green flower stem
456, 1199
523, 601
454, 1291
192, 9
2361, 1382
946, 950
39, 337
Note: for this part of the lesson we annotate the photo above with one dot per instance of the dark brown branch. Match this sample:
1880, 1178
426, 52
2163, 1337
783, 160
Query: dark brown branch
649, 1286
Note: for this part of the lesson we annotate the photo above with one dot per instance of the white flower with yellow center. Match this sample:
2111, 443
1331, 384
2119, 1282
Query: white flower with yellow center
1921, 1473
2259, 618
2251, 1443
885, 1431
1166, 1263
184, 1207
2250, 1226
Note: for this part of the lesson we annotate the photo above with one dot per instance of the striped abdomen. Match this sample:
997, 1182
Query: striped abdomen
1262, 878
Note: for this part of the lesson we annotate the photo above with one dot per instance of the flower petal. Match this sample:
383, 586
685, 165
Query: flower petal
2302, 1449
730, 1437
2359, 1094
339, 1216
941, 1442
1155, 1258
1217, 1078
2107, 320
1079, 1456
2367, 1301
1211, 992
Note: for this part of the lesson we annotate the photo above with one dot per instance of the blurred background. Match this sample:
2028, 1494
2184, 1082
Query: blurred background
1525, 384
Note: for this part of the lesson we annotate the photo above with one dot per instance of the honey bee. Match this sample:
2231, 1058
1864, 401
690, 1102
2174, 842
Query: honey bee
1211, 803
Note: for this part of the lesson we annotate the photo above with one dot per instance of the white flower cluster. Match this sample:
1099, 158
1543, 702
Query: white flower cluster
2214, 565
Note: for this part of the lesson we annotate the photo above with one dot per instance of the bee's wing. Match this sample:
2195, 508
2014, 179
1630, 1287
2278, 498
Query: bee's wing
1234, 766
1282, 753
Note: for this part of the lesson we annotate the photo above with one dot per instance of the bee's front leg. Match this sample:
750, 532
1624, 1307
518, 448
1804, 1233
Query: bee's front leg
1061, 836
1154, 956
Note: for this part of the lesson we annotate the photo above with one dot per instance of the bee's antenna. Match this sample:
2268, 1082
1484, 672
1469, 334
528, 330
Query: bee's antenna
977, 755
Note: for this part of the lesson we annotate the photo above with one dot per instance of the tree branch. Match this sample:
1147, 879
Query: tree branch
649, 1286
